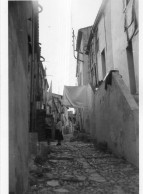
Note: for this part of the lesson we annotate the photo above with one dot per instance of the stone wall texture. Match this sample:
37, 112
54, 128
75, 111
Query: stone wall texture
18, 97
117, 119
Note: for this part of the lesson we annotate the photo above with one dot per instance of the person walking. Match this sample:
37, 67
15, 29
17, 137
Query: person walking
59, 135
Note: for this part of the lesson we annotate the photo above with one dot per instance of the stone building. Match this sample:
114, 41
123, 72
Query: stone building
45, 89
42, 87
82, 69
82, 58
113, 42
112, 50
24, 67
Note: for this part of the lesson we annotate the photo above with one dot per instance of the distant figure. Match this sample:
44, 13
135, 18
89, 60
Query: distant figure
48, 131
74, 125
59, 135
70, 125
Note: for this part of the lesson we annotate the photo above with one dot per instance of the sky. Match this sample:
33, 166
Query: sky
56, 22
55, 29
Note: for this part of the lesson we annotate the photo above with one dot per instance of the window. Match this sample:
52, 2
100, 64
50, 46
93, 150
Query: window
29, 45
93, 73
131, 70
103, 63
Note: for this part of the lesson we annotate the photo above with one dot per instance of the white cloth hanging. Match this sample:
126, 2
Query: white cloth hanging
75, 96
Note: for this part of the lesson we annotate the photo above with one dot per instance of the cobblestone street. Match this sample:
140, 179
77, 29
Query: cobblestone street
80, 167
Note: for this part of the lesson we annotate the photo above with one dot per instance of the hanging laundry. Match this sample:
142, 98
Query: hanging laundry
75, 96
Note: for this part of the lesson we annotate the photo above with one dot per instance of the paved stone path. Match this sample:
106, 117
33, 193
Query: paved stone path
80, 168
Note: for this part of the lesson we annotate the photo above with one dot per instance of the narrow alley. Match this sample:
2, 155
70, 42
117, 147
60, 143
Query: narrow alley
80, 167
73, 97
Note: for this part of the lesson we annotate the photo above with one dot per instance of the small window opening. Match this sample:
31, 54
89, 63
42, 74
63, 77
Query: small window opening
29, 45
103, 63
131, 68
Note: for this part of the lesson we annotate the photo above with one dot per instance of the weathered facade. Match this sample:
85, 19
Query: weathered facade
82, 58
82, 72
112, 50
113, 42
45, 89
24, 61
42, 87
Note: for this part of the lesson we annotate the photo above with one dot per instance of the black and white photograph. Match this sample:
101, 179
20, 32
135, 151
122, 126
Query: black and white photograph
71, 84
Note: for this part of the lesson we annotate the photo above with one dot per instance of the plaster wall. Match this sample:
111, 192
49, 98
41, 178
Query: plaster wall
89, 113
18, 98
116, 117
84, 75
80, 66
85, 70
100, 76
90, 125
101, 34
85, 36
135, 44
119, 39
108, 37
102, 45
119, 42
105, 41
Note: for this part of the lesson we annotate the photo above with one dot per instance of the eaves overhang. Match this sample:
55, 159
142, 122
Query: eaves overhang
79, 37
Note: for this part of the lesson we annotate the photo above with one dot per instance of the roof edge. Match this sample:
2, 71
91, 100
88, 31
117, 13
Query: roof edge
79, 36
99, 14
